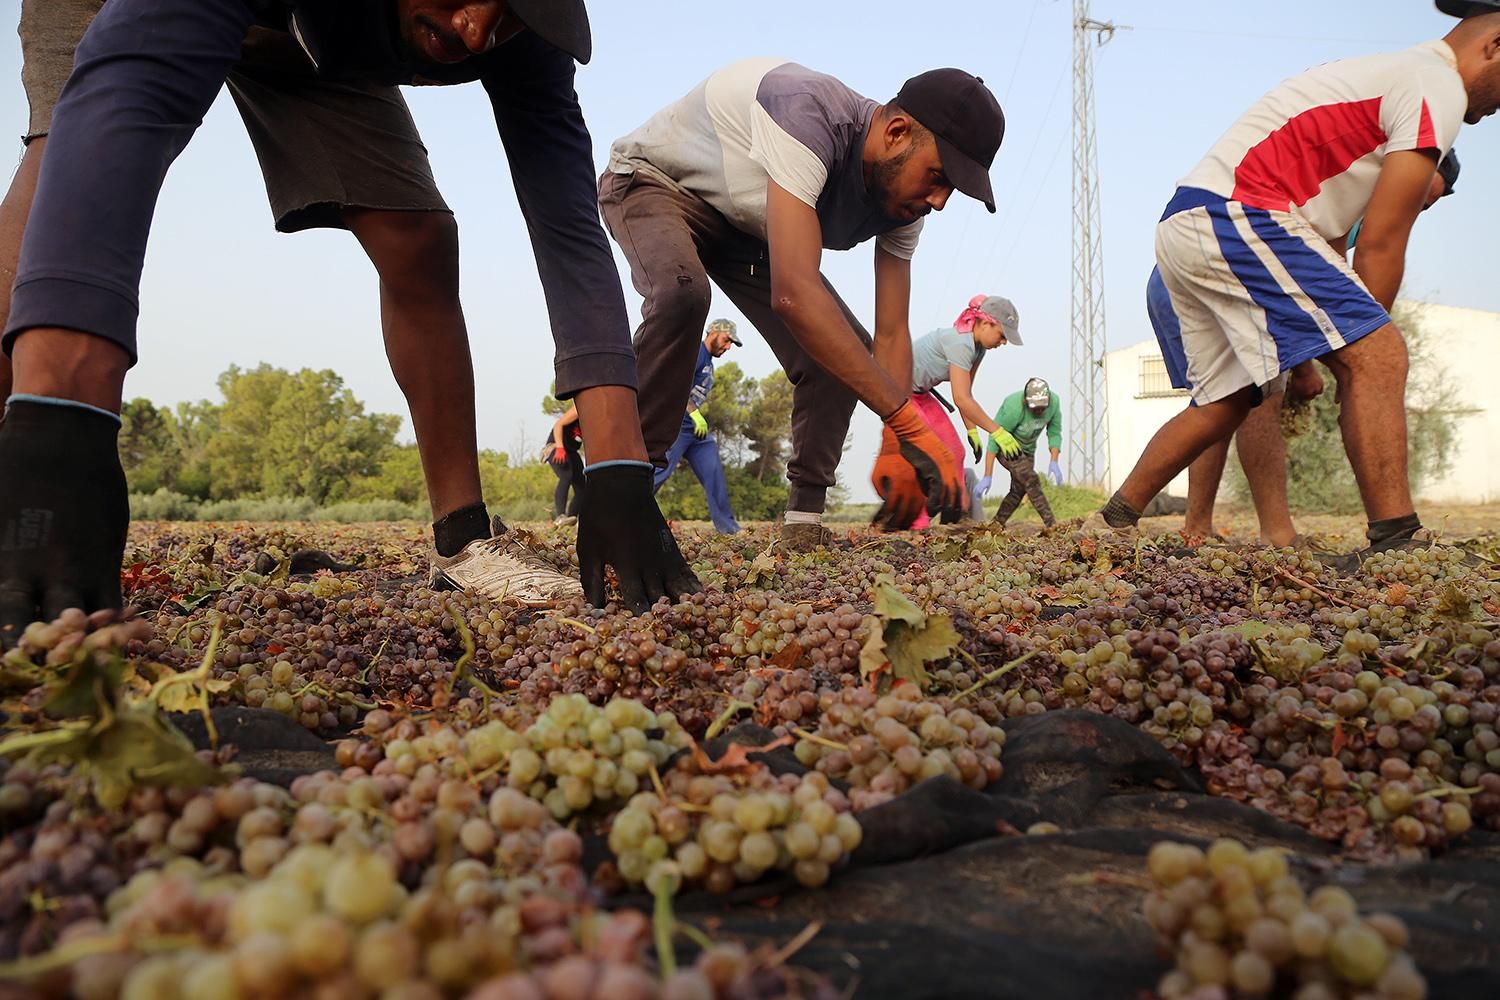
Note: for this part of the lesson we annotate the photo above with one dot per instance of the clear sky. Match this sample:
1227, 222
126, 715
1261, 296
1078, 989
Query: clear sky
222, 287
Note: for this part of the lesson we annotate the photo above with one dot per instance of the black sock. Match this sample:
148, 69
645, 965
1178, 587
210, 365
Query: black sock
451, 532
1393, 527
1119, 514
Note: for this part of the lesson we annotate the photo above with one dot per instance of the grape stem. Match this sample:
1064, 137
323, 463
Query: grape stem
1293, 578
996, 674
461, 668
1439, 793
663, 923
815, 738
378, 653
194, 679
576, 624
795, 945
1109, 878
719, 724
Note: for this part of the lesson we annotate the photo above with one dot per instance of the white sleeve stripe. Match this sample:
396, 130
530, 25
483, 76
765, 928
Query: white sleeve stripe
789, 163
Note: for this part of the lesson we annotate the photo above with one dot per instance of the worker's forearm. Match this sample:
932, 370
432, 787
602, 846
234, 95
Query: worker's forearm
973, 413
892, 352
989, 463
1381, 270
1055, 453
822, 331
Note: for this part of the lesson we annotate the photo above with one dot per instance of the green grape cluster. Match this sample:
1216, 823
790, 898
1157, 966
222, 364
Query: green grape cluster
718, 830
1239, 920
881, 746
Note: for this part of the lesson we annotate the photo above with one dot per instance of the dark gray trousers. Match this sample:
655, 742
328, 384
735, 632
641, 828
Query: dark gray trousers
675, 242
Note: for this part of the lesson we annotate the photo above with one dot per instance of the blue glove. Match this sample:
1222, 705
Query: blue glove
982, 488
1055, 471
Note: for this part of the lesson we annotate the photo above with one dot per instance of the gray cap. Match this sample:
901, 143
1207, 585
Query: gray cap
1003, 311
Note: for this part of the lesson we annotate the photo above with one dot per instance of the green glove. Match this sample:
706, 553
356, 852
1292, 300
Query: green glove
1005, 443
974, 444
700, 425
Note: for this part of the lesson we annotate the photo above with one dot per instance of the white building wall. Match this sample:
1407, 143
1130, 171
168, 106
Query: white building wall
1140, 401
1464, 343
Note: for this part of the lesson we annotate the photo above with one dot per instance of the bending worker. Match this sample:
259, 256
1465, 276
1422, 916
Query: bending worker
563, 452
748, 179
143, 76
1021, 419
952, 355
1269, 193
1259, 442
694, 440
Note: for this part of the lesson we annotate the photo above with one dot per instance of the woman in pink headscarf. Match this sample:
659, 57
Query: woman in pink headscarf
952, 355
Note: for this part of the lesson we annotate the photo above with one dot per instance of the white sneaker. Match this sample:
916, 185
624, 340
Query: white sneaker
1096, 525
505, 570
565, 520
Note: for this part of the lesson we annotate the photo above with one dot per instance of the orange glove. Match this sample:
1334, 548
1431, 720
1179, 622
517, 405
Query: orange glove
896, 482
559, 456
940, 474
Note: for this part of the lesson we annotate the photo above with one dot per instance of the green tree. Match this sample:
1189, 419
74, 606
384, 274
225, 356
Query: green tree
551, 405
399, 477
149, 449
293, 434
768, 425
751, 420
193, 428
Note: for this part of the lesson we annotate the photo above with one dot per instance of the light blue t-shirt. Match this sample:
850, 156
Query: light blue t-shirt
931, 355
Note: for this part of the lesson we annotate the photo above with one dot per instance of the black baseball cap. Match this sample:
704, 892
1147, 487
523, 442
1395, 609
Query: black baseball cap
966, 122
1468, 8
563, 23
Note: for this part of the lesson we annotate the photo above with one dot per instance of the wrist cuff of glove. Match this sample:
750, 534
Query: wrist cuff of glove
618, 470
26, 400
906, 422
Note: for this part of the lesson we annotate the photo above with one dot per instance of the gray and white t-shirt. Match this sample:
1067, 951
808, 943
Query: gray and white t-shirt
769, 119
931, 355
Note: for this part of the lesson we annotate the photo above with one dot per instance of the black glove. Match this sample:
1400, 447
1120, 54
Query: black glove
63, 514
620, 524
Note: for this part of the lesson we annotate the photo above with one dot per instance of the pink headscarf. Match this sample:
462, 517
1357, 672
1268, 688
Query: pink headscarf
971, 315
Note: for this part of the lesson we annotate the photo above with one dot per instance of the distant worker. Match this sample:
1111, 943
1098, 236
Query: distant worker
952, 354
1021, 419
1259, 442
563, 453
694, 440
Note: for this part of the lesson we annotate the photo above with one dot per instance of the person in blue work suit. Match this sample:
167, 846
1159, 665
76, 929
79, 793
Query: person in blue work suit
694, 441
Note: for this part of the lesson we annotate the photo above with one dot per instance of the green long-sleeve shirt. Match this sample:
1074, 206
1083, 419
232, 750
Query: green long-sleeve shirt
1026, 426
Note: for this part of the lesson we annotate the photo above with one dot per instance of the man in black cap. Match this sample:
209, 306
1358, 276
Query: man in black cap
144, 74
746, 180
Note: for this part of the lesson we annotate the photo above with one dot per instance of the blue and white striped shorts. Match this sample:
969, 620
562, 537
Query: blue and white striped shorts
1253, 294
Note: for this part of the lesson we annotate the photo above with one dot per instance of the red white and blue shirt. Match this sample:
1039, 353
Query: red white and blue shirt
1315, 144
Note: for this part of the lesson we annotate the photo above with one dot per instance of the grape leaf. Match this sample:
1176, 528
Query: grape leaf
872, 655
910, 648
907, 639
892, 605
1455, 603
1251, 629
762, 570
788, 656
735, 758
